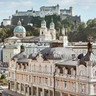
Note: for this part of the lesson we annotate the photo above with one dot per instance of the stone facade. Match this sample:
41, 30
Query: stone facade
53, 74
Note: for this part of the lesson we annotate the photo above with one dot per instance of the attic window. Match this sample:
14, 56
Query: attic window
73, 57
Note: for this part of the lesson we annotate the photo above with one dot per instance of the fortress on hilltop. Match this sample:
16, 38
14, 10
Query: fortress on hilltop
27, 17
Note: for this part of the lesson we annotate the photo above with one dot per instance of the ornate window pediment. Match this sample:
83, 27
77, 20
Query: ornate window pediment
39, 57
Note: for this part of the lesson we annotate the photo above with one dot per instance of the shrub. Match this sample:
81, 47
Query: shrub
3, 76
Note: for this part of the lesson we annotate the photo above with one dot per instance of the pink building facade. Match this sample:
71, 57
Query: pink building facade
53, 72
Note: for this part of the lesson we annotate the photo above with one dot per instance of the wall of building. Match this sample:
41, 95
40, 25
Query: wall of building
9, 53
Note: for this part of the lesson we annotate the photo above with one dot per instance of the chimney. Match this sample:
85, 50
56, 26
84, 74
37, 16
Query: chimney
89, 47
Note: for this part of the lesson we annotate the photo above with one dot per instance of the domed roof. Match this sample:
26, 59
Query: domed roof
19, 27
52, 23
58, 53
43, 22
55, 53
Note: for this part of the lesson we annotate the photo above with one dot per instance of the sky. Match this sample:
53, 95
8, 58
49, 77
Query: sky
85, 8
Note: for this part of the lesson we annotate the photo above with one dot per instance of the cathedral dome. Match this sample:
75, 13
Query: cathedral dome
19, 27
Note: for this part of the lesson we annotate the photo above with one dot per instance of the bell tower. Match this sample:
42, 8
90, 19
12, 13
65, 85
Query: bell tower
64, 37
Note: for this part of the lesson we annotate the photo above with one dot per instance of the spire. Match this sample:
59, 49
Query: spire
63, 30
19, 22
51, 19
52, 24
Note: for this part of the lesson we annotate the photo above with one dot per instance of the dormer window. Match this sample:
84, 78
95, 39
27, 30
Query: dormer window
81, 73
73, 57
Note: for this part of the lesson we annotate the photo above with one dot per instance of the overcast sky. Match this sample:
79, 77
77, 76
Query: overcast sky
85, 8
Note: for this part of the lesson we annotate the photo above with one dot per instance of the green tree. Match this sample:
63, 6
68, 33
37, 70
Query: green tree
3, 76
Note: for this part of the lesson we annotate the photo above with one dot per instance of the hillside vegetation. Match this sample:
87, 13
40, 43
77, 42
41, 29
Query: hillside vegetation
75, 31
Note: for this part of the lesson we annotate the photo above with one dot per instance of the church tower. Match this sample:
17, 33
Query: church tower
64, 37
52, 30
43, 30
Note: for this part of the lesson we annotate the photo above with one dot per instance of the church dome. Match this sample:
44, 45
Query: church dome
19, 27
52, 24
43, 22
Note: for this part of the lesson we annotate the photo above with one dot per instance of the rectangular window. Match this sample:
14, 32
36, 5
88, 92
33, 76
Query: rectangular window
82, 88
39, 80
34, 79
29, 78
51, 69
46, 81
50, 82
12, 75
26, 77
65, 84
73, 86
57, 83
22, 76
